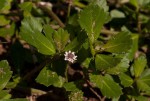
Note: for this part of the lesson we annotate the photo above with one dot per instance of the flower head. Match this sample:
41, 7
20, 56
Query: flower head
70, 56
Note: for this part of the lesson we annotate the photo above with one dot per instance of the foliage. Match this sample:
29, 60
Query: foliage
110, 40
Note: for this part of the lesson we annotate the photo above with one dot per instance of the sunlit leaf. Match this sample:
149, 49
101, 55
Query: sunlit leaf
86, 62
142, 86
7, 31
5, 5
119, 68
126, 80
60, 82
139, 3
146, 80
120, 43
146, 72
4, 94
107, 85
3, 21
17, 99
92, 19
141, 98
117, 14
48, 31
31, 32
47, 77
5, 73
139, 65
76, 42
27, 6
143, 2
101, 3
70, 86
61, 37
104, 62
134, 47
76, 96
134, 3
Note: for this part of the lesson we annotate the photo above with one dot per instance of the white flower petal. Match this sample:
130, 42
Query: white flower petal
65, 55
70, 56
75, 56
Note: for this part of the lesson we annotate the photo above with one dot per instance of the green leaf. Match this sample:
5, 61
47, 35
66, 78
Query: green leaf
61, 37
141, 98
3, 21
73, 20
48, 31
120, 68
76, 42
5, 5
73, 45
126, 80
86, 62
17, 99
143, 82
104, 62
108, 87
120, 43
117, 14
143, 2
145, 73
31, 32
76, 96
60, 82
5, 73
139, 3
145, 79
134, 48
7, 31
48, 77
143, 86
101, 3
139, 65
115, 99
26, 6
4, 94
92, 19
70, 86
134, 3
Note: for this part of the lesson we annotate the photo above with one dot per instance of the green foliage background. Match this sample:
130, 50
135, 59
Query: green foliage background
110, 38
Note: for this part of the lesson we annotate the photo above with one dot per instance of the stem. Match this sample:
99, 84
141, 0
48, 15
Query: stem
103, 99
33, 91
46, 7
108, 32
92, 49
138, 22
69, 8
93, 91
66, 72
37, 69
30, 90
91, 41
